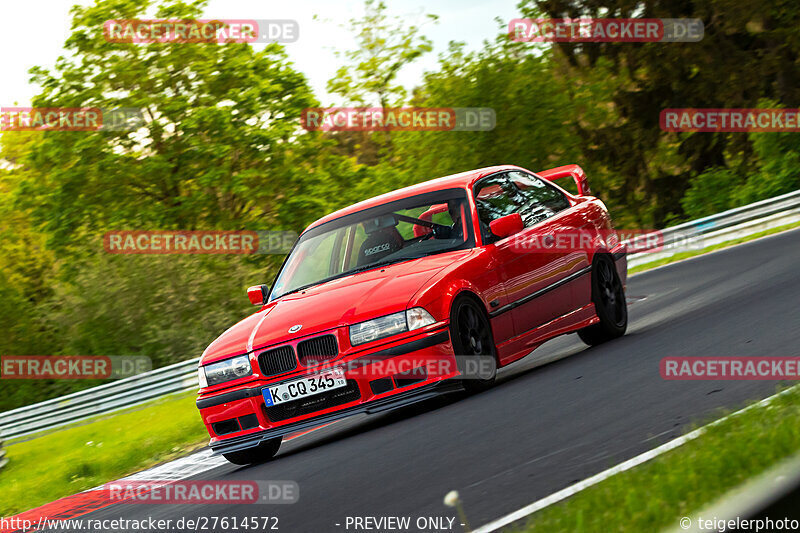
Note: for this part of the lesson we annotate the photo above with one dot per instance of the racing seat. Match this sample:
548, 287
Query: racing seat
379, 244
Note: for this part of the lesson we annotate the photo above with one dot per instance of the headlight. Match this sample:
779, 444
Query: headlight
201, 377
227, 370
388, 325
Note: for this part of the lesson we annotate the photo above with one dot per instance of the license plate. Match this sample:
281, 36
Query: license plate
303, 388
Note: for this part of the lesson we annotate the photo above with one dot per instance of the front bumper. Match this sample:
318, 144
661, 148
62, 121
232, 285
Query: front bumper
401, 399
377, 380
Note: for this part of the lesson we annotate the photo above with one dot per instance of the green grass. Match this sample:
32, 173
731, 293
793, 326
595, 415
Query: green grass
71, 460
658, 493
685, 255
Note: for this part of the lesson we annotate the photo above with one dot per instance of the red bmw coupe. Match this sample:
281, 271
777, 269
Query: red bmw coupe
421, 291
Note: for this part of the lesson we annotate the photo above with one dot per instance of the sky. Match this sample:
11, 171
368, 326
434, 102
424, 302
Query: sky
470, 21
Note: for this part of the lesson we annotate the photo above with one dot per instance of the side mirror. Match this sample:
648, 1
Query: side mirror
258, 294
572, 171
507, 225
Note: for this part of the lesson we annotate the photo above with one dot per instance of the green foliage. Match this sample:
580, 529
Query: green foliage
213, 150
775, 171
530, 107
166, 307
779, 167
749, 51
710, 192
385, 45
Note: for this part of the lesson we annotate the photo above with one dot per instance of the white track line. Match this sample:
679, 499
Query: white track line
627, 465
191, 465
183, 468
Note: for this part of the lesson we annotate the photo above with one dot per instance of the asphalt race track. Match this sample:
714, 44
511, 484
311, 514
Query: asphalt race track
542, 429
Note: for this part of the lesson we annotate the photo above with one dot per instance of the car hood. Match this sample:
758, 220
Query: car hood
336, 303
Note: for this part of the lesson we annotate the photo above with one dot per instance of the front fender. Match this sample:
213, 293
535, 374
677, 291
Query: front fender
476, 273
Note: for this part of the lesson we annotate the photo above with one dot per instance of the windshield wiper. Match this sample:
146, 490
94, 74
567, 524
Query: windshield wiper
301, 288
376, 265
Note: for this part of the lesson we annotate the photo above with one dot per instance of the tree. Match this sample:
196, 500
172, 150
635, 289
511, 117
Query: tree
219, 122
531, 110
749, 51
385, 45
369, 78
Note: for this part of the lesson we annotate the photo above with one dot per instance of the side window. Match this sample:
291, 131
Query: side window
539, 199
494, 198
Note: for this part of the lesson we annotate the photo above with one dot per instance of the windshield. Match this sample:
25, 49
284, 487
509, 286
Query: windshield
414, 227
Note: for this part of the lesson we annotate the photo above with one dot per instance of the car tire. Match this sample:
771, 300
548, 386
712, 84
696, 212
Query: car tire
471, 334
608, 297
260, 454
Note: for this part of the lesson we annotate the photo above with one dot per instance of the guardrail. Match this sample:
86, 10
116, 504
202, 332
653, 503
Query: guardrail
730, 218
180, 377
3, 458
99, 400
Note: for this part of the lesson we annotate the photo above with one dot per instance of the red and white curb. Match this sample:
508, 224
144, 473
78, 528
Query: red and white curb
95, 499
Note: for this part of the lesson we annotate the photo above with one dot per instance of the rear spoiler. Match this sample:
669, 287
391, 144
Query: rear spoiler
573, 171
